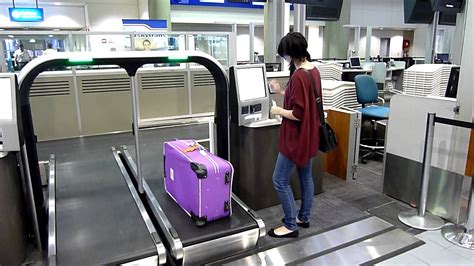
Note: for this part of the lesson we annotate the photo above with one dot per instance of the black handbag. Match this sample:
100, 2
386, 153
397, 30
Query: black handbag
327, 138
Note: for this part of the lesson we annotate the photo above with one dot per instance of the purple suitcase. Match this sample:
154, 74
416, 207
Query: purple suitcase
199, 181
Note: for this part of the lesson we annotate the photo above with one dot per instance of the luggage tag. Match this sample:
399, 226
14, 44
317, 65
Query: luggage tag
193, 147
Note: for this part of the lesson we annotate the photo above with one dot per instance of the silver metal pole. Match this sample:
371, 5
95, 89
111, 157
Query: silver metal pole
31, 197
463, 235
421, 219
136, 131
211, 137
470, 210
429, 138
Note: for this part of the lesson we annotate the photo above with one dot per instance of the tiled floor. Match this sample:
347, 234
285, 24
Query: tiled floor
436, 251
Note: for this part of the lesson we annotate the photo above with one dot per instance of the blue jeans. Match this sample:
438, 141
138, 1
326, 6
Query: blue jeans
281, 181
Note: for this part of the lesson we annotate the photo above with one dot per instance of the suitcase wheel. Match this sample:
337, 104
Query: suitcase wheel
200, 221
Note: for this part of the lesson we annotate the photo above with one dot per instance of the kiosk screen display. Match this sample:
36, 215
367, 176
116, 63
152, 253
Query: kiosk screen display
251, 83
6, 106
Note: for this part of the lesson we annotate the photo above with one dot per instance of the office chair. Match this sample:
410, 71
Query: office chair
367, 96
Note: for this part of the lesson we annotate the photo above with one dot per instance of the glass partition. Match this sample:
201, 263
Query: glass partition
36, 43
215, 45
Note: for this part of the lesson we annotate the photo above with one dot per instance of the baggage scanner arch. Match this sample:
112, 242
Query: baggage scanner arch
130, 61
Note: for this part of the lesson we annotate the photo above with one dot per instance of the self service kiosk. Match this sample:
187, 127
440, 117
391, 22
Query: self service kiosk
254, 139
12, 231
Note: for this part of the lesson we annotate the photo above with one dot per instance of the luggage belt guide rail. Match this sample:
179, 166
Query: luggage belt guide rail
160, 248
52, 211
177, 249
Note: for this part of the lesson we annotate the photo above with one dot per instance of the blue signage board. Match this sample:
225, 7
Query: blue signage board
26, 14
220, 3
147, 23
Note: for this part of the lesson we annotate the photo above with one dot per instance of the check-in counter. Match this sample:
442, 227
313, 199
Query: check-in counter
450, 182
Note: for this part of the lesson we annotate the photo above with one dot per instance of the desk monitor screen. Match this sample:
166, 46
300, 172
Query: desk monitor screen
251, 83
355, 62
443, 57
452, 89
6, 105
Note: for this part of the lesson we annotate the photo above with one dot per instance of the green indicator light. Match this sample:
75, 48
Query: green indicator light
177, 58
80, 60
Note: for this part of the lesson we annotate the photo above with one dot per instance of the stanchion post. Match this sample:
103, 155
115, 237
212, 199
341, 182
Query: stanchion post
421, 219
427, 154
463, 235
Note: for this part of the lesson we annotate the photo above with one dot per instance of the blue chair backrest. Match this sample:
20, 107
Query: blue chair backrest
366, 89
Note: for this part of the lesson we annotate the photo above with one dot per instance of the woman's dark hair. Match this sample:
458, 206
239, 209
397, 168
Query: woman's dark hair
294, 44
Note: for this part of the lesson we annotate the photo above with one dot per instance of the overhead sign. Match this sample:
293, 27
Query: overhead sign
26, 14
222, 3
144, 24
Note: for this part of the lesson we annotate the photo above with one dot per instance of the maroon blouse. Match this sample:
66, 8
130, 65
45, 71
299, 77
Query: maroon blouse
299, 140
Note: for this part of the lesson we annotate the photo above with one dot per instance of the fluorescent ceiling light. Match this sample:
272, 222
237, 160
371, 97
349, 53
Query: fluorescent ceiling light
449, 6
32, 40
11, 36
51, 36
57, 4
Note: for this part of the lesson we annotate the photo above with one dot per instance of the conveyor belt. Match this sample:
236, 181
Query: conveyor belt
98, 221
236, 233
187, 230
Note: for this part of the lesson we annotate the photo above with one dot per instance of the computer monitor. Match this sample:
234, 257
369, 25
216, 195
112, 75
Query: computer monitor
273, 67
355, 62
443, 57
452, 89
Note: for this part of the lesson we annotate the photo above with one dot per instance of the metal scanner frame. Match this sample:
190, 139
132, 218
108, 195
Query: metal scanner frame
130, 61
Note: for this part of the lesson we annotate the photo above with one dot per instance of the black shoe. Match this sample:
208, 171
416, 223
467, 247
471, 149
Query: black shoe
304, 225
293, 234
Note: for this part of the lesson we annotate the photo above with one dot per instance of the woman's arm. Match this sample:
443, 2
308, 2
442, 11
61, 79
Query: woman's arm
288, 114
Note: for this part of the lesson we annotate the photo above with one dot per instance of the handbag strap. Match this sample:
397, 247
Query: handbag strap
319, 102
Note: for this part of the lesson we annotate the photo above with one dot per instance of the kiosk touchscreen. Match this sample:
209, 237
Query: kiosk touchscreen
249, 95
9, 140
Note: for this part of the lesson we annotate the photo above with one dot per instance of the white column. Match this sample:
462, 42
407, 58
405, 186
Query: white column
357, 40
276, 18
368, 45
251, 42
299, 17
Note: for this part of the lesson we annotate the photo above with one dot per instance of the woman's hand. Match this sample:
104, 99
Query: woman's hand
275, 110
275, 86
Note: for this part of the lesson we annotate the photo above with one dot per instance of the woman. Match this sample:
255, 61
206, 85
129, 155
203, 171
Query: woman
299, 133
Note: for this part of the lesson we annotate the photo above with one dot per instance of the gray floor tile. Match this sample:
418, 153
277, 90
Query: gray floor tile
327, 211
389, 213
